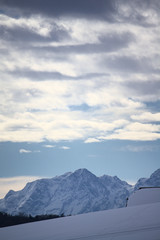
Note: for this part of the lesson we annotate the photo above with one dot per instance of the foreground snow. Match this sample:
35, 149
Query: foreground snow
137, 222
144, 196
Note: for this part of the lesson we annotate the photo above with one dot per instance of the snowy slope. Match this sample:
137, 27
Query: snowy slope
72, 193
144, 196
138, 222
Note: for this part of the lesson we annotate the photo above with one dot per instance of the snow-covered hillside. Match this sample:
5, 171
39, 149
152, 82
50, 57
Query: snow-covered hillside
138, 222
72, 193
144, 196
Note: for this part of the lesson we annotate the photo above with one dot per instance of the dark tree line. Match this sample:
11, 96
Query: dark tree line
9, 220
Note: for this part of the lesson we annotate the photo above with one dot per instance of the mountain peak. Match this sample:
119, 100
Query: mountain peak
82, 171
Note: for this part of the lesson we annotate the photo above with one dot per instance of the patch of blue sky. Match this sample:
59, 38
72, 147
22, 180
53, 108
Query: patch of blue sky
129, 160
83, 107
33, 110
153, 106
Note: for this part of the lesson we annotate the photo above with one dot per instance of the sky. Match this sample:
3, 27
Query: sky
79, 88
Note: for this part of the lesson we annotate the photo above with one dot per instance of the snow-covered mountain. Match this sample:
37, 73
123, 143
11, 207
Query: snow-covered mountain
71, 193
153, 181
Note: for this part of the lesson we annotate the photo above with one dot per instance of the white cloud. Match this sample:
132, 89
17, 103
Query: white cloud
147, 117
35, 110
134, 131
24, 151
48, 146
105, 119
123, 134
91, 140
136, 126
64, 147
140, 148
14, 183
28, 151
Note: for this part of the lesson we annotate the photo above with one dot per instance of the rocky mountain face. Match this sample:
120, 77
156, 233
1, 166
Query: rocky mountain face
72, 193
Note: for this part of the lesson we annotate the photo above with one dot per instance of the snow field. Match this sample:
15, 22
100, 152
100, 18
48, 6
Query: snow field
144, 196
137, 222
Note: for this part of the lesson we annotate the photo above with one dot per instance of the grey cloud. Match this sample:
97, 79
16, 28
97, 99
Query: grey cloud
25, 95
55, 8
144, 87
110, 10
44, 75
108, 43
91, 75
23, 39
38, 75
130, 64
19, 34
138, 12
22, 127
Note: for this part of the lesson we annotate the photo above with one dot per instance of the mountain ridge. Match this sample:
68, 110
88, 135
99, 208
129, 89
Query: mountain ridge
72, 193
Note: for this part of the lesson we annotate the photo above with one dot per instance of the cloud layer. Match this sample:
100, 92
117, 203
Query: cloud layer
87, 70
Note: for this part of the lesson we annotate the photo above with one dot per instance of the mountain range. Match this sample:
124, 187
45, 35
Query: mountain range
73, 193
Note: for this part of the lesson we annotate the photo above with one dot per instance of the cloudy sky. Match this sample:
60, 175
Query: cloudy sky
79, 87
